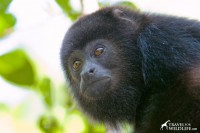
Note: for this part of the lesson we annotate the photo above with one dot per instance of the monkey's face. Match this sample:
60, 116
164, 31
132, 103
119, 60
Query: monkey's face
95, 69
101, 60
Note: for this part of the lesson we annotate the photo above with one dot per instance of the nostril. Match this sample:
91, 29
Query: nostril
91, 71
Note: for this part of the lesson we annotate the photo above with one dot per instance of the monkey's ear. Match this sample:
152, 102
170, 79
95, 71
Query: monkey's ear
117, 13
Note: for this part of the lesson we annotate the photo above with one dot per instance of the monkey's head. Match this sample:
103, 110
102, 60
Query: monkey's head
101, 60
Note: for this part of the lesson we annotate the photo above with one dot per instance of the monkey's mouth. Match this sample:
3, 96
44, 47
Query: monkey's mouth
95, 88
100, 80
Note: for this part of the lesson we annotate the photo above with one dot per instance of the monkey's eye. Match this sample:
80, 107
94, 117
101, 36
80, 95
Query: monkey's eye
77, 64
98, 51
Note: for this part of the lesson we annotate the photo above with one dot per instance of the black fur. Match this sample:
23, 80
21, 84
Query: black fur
159, 67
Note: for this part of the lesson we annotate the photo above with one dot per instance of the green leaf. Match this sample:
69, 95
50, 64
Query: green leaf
97, 128
7, 21
49, 124
16, 67
103, 4
67, 8
127, 4
4, 4
45, 89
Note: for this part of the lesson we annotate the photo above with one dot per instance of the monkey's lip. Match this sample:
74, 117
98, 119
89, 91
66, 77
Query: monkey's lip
100, 80
96, 87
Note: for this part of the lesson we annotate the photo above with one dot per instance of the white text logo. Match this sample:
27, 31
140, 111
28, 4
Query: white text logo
168, 125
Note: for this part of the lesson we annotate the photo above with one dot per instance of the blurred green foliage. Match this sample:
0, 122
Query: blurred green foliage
4, 5
127, 4
120, 3
18, 68
45, 88
49, 124
67, 8
7, 20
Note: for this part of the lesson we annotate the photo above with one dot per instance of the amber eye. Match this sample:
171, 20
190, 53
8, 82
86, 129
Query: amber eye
77, 64
98, 51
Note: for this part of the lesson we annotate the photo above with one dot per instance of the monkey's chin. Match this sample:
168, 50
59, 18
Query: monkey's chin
95, 89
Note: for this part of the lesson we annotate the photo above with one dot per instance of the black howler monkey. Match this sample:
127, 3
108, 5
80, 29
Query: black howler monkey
127, 66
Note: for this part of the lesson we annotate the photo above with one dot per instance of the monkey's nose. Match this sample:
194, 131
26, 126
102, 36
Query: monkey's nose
88, 75
91, 71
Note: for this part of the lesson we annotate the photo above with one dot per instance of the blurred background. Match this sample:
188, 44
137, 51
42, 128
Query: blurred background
34, 96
